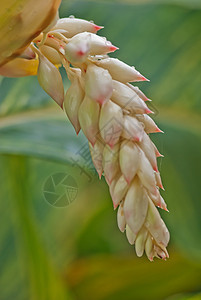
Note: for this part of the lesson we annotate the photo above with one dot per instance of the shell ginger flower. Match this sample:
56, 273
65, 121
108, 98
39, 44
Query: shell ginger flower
114, 116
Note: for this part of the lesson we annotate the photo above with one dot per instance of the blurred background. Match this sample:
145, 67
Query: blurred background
57, 250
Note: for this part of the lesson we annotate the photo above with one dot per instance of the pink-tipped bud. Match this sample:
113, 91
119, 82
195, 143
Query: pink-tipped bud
157, 153
159, 181
51, 54
138, 92
73, 26
129, 158
73, 99
77, 50
156, 226
98, 44
50, 80
135, 206
119, 70
149, 124
120, 190
147, 146
97, 156
110, 162
146, 174
88, 117
127, 98
98, 84
132, 129
111, 123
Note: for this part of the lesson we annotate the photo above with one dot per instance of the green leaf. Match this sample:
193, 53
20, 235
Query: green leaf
106, 277
31, 124
38, 265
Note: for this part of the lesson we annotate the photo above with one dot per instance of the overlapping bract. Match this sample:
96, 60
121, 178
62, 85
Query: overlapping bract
113, 115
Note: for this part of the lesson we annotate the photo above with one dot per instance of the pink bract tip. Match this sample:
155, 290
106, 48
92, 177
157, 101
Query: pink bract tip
96, 27
127, 180
100, 175
159, 130
148, 111
101, 101
142, 78
111, 145
115, 205
113, 48
158, 154
92, 143
161, 186
80, 53
155, 168
77, 132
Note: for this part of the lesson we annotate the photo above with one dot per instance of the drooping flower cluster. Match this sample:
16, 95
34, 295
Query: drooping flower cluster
113, 115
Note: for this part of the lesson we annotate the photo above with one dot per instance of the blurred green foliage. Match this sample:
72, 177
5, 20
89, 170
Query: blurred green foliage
77, 252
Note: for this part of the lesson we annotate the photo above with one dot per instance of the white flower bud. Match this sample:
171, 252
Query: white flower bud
129, 159
98, 44
135, 206
156, 226
138, 92
111, 162
128, 99
130, 235
157, 153
158, 180
50, 80
73, 26
149, 248
111, 123
120, 71
146, 174
132, 129
148, 149
51, 54
158, 200
121, 219
160, 253
73, 99
77, 50
119, 191
98, 84
88, 117
149, 124
140, 241
97, 156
